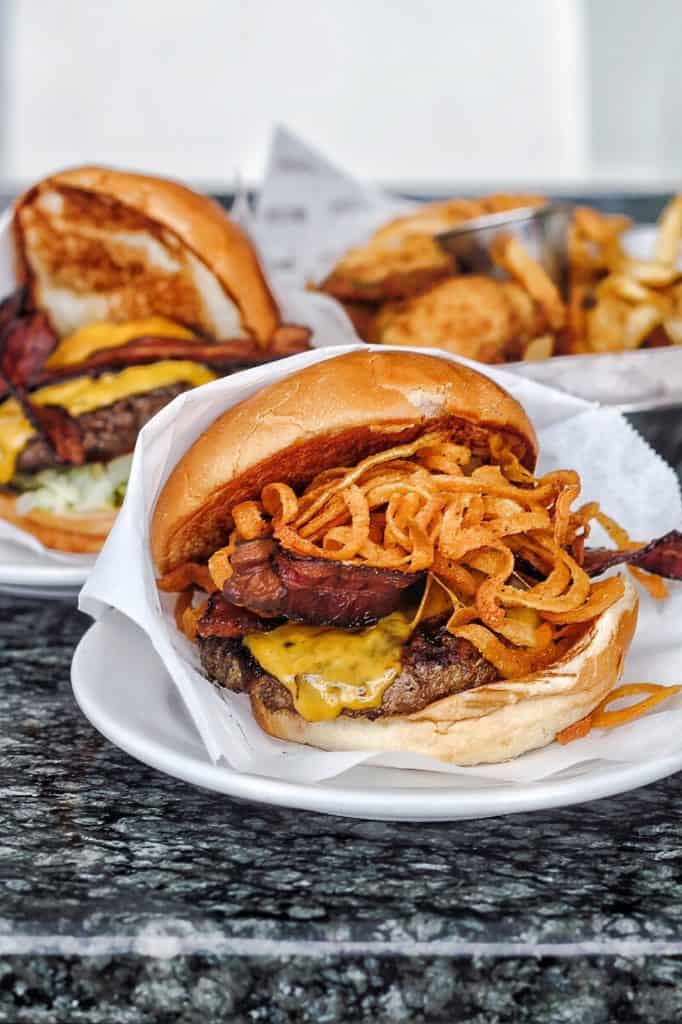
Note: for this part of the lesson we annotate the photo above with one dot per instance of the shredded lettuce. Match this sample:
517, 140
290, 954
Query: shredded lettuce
95, 487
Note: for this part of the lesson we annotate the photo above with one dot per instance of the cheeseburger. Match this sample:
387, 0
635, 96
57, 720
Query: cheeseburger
365, 550
131, 290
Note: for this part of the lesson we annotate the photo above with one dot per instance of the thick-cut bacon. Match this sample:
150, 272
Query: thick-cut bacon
662, 557
272, 581
25, 344
223, 355
12, 307
224, 619
27, 341
61, 430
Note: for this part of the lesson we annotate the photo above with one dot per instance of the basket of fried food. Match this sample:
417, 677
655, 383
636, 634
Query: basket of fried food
404, 288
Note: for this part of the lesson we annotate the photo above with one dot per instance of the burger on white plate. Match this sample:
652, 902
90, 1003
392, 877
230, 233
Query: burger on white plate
364, 549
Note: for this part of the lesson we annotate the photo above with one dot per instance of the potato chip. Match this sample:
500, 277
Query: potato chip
509, 254
673, 328
651, 272
539, 348
624, 287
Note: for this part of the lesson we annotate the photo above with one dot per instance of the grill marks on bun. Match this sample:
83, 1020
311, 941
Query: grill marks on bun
97, 244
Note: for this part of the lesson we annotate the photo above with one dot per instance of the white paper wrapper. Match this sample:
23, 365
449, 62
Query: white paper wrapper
326, 318
617, 466
310, 212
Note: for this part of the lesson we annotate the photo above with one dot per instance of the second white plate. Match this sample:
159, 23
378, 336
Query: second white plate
21, 567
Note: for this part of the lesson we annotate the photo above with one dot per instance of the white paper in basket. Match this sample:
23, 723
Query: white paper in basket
617, 467
325, 317
310, 212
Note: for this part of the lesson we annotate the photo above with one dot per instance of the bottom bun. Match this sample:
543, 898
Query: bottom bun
76, 533
491, 723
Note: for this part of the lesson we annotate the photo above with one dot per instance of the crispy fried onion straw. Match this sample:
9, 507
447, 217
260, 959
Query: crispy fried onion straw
601, 718
504, 545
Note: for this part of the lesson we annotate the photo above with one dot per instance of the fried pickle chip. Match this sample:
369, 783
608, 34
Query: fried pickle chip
389, 269
474, 316
403, 258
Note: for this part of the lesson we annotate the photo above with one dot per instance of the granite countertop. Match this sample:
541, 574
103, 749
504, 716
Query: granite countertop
131, 897
128, 896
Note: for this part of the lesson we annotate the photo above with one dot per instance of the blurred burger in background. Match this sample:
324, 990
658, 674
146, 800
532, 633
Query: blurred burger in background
131, 289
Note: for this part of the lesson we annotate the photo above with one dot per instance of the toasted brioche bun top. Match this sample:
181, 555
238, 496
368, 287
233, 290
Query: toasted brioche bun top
332, 413
96, 243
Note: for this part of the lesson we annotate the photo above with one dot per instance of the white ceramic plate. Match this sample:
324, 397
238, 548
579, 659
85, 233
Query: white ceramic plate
124, 690
69, 594
21, 567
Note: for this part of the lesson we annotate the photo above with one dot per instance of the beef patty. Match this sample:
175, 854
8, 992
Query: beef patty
106, 432
434, 665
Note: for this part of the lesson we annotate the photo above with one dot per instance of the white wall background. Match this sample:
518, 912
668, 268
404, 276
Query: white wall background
635, 71
396, 90
438, 92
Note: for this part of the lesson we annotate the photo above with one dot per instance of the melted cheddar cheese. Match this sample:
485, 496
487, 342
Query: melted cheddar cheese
83, 394
84, 342
328, 670
15, 432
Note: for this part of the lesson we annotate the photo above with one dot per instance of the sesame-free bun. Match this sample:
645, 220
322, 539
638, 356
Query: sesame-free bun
82, 534
96, 244
332, 413
490, 723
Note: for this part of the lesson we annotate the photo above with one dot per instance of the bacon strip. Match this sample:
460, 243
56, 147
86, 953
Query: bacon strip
663, 557
224, 619
272, 581
62, 431
25, 344
27, 340
223, 355
12, 307
11, 310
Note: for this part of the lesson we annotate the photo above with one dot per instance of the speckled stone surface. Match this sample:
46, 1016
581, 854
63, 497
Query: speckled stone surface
128, 897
